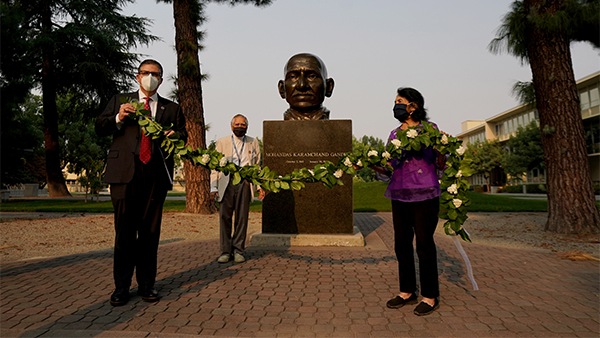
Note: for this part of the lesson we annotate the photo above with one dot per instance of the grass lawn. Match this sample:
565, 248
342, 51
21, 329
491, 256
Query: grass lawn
368, 197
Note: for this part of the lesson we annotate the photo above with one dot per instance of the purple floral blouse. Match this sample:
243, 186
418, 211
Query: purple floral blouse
415, 176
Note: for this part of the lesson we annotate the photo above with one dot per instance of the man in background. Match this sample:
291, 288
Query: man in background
242, 150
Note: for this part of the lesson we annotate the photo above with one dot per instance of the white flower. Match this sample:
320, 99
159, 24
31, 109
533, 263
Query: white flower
359, 163
323, 168
396, 143
460, 150
338, 173
372, 153
459, 173
347, 162
452, 189
386, 155
412, 133
311, 172
223, 161
457, 203
205, 159
444, 139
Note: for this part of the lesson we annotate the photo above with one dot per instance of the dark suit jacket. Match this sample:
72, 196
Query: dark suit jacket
125, 148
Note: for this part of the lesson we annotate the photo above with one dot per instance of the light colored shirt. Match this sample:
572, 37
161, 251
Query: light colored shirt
240, 151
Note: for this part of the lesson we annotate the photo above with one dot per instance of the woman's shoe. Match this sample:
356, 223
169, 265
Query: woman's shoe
423, 309
398, 302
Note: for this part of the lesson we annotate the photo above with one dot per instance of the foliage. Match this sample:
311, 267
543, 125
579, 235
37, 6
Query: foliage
453, 200
22, 143
525, 151
66, 46
524, 92
89, 41
578, 19
362, 146
485, 157
85, 151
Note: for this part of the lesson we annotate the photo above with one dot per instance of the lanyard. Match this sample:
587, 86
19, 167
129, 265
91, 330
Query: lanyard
235, 148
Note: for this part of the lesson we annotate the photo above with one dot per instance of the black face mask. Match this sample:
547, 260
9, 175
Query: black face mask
239, 131
400, 112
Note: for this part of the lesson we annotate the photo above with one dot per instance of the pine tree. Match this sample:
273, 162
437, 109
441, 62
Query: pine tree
189, 15
539, 32
63, 46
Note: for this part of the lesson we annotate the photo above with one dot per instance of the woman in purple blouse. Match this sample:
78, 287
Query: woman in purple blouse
414, 190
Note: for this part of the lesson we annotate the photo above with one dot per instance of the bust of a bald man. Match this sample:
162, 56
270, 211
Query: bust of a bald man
305, 87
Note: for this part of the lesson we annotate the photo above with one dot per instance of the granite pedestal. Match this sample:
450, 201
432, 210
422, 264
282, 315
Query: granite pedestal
316, 209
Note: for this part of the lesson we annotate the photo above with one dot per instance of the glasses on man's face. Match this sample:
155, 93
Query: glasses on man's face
155, 74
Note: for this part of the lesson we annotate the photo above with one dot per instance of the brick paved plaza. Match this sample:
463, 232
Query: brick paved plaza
304, 292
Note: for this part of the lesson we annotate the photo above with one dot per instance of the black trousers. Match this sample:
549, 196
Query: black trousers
416, 219
138, 209
236, 199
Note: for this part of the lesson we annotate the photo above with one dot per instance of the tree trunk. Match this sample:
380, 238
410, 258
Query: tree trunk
571, 203
54, 177
197, 179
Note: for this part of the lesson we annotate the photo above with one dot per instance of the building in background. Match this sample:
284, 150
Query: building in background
504, 125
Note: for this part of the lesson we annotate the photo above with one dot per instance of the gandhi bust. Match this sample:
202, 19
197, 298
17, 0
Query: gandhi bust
305, 87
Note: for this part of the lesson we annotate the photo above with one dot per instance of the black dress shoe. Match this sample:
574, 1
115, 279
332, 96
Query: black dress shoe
119, 297
148, 294
398, 302
424, 309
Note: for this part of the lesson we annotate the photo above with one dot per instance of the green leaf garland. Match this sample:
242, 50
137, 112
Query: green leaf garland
453, 200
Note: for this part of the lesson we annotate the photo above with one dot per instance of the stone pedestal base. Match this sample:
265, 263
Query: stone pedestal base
288, 240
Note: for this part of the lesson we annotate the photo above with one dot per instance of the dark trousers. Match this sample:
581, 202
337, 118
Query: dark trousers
416, 219
138, 214
236, 199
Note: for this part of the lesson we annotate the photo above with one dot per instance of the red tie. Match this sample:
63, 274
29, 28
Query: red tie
145, 151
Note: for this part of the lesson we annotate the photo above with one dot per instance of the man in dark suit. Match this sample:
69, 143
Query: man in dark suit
139, 175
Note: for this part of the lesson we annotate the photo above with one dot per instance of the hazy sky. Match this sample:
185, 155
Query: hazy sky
370, 49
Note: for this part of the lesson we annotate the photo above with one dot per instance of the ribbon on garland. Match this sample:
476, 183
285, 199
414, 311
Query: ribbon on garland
453, 200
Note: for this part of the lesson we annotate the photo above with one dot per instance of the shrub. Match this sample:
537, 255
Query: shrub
513, 189
536, 188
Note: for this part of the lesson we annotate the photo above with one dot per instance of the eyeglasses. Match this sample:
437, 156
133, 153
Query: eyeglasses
155, 74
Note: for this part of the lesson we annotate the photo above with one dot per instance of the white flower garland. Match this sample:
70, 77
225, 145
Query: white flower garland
453, 200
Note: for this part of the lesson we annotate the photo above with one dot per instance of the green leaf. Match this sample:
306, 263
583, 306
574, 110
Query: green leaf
237, 178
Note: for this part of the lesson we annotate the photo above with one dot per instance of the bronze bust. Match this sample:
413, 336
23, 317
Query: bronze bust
305, 87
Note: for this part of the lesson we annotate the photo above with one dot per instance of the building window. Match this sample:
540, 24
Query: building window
499, 129
536, 176
521, 124
584, 100
592, 135
478, 179
594, 97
